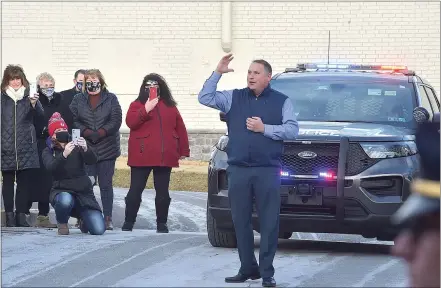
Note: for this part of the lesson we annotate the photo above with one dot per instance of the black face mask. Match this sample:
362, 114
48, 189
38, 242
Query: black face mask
63, 137
93, 86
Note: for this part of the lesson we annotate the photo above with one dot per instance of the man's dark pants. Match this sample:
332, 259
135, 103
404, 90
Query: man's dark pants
264, 184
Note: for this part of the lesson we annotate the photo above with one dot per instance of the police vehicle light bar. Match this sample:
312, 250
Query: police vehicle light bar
306, 66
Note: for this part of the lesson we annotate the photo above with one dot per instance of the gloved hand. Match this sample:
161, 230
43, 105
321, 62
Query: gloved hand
94, 137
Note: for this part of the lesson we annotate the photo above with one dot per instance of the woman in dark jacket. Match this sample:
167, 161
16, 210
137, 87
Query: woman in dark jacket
98, 115
72, 191
51, 102
158, 139
19, 155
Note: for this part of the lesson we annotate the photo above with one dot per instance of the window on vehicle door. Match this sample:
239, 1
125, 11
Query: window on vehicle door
425, 100
432, 98
338, 99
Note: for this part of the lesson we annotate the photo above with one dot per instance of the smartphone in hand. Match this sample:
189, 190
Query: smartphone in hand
153, 93
75, 135
32, 89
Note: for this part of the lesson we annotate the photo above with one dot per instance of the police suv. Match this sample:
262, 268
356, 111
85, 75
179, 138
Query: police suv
350, 168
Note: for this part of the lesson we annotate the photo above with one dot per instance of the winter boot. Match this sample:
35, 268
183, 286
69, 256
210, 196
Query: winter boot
82, 226
162, 205
127, 226
109, 224
63, 229
131, 213
161, 228
10, 219
21, 220
44, 222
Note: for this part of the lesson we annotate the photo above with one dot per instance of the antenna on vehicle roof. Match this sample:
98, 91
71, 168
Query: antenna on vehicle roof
329, 43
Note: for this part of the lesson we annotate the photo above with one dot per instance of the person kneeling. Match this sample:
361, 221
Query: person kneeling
72, 192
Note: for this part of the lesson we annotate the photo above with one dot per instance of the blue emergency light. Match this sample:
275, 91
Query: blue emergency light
348, 67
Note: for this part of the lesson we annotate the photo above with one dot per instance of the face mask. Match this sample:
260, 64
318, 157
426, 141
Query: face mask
63, 137
93, 86
79, 86
48, 92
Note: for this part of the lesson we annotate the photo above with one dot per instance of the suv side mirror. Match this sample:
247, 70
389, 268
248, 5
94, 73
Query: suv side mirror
435, 117
421, 115
223, 117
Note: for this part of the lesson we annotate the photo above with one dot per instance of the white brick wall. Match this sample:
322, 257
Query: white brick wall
181, 41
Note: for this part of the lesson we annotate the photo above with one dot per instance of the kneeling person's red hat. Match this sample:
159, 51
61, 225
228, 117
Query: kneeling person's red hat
56, 122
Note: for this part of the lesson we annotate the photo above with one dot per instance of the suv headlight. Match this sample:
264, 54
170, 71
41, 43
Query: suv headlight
389, 149
222, 143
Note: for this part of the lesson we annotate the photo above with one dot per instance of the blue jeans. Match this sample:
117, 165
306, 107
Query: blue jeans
93, 219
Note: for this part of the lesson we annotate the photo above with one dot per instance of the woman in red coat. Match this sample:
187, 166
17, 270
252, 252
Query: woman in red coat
158, 139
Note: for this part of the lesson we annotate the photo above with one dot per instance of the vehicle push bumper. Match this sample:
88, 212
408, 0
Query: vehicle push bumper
339, 206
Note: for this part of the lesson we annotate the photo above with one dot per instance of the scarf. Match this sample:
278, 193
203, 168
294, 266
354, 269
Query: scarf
15, 95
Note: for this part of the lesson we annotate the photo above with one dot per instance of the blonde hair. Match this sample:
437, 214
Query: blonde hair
96, 73
45, 76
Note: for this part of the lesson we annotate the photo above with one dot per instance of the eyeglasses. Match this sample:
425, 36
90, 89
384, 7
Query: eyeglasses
151, 83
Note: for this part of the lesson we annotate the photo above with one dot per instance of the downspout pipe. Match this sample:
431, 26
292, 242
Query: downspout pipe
226, 40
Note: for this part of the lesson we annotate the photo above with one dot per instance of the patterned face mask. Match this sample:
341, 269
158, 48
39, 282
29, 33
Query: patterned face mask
48, 92
79, 86
93, 86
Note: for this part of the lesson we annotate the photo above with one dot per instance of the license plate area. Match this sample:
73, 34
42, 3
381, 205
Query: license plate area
305, 194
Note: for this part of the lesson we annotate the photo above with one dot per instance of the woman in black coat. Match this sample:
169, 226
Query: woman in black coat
51, 102
19, 155
72, 192
98, 115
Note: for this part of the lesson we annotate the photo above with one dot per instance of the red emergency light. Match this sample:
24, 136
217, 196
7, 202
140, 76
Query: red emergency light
327, 175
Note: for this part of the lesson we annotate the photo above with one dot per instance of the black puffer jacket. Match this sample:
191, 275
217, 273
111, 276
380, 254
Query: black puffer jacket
107, 115
69, 175
66, 99
41, 177
19, 143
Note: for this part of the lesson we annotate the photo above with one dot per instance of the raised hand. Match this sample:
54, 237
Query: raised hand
68, 149
222, 67
34, 99
150, 104
82, 143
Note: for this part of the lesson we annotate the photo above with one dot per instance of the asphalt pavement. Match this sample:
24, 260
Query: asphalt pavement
34, 257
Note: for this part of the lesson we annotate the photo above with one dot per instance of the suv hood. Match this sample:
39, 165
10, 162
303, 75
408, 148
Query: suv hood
333, 131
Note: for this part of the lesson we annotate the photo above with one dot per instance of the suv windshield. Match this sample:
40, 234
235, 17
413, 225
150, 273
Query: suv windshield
346, 100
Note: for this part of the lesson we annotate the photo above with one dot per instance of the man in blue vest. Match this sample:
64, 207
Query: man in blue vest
258, 119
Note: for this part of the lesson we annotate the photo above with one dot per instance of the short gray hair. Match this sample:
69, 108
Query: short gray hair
45, 76
266, 65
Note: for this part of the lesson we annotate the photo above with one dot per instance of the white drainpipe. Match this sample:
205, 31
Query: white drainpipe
226, 27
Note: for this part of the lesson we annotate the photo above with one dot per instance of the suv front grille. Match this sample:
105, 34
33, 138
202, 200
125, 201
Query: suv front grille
326, 159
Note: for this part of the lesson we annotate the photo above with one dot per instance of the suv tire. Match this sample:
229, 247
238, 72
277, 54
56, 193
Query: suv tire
219, 238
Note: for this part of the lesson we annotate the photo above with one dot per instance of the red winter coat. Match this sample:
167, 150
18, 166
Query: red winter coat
158, 138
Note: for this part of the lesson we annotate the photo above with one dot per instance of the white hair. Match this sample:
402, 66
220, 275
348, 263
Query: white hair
45, 76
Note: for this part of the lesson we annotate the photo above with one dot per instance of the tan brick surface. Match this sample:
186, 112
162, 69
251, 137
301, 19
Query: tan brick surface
182, 41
